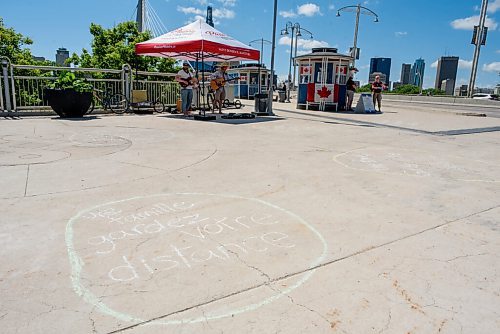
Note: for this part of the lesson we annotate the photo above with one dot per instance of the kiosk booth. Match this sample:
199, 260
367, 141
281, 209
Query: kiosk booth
322, 79
248, 84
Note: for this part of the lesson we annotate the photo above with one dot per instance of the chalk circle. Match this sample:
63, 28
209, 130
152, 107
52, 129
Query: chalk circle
30, 156
212, 255
418, 164
98, 140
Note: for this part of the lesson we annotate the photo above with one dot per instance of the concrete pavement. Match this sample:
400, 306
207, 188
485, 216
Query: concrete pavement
308, 222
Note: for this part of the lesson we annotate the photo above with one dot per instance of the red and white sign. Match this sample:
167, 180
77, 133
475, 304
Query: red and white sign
305, 69
324, 93
196, 39
341, 70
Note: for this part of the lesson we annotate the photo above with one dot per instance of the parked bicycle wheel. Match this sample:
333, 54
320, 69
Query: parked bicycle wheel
158, 106
226, 103
118, 103
237, 104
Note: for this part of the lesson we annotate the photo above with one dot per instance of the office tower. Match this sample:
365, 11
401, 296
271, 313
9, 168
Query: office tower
383, 78
61, 55
405, 74
417, 73
446, 70
381, 65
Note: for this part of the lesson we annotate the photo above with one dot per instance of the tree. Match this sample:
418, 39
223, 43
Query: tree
364, 89
111, 48
13, 45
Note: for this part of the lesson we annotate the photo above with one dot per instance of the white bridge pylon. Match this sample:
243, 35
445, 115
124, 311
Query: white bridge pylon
148, 19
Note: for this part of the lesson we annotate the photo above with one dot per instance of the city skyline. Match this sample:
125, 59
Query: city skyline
442, 29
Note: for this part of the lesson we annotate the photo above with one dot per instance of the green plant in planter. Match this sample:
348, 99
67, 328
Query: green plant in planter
69, 96
68, 80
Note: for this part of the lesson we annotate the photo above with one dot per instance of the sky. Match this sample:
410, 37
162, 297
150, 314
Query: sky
407, 29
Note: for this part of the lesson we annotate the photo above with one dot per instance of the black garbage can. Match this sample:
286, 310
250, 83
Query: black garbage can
282, 96
261, 101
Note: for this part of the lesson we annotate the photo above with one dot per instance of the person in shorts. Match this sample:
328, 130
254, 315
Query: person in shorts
219, 79
377, 88
351, 88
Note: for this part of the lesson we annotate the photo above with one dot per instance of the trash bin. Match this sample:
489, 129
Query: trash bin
282, 96
261, 101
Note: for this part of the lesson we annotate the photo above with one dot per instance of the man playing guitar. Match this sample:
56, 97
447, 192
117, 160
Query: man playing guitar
187, 81
217, 82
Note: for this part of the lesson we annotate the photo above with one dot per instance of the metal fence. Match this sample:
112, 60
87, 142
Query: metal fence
22, 86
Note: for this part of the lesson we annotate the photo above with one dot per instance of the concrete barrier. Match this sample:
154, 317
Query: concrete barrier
442, 100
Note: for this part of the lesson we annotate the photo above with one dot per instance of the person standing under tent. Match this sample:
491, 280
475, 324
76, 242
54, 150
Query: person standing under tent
217, 81
186, 80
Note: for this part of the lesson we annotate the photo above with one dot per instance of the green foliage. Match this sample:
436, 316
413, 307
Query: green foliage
111, 48
68, 80
364, 89
406, 90
433, 91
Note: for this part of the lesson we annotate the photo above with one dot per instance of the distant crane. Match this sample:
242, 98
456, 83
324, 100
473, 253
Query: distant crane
148, 19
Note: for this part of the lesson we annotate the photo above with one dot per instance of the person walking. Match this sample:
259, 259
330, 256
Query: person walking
186, 80
351, 88
217, 81
377, 88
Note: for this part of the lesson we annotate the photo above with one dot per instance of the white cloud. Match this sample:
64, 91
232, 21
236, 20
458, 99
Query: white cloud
202, 2
492, 67
304, 44
434, 64
331, 7
400, 33
494, 6
468, 23
189, 10
223, 13
498, 51
287, 13
228, 3
309, 9
464, 64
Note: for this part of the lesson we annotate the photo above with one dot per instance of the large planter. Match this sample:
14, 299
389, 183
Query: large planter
68, 102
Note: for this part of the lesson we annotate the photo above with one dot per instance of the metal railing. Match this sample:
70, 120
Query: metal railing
24, 85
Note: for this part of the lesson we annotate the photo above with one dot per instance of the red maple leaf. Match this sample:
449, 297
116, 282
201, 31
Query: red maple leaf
324, 92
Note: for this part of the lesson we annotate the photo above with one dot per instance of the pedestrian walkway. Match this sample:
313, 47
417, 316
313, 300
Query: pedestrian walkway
304, 222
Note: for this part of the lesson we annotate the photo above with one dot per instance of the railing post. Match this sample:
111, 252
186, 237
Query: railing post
5, 75
126, 80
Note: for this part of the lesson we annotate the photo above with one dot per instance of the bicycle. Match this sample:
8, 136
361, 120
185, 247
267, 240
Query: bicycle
117, 103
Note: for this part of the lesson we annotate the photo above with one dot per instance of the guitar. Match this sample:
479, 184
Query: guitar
187, 82
220, 82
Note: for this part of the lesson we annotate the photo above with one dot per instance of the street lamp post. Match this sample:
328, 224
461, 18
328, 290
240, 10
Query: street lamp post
358, 9
262, 41
295, 29
299, 33
478, 42
273, 49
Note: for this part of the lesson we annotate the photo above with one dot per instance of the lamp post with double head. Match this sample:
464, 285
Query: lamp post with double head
358, 9
295, 30
262, 41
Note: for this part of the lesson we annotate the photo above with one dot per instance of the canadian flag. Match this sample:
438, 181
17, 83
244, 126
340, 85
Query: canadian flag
342, 70
305, 69
323, 93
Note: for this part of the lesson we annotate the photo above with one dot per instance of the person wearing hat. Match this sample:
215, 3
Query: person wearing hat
377, 88
218, 81
185, 79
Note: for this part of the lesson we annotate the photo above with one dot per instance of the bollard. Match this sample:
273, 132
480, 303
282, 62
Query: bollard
5, 74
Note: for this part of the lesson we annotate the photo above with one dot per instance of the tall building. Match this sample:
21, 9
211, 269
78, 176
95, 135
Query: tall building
381, 65
446, 70
417, 73
405, 74
61, 55
383, 78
